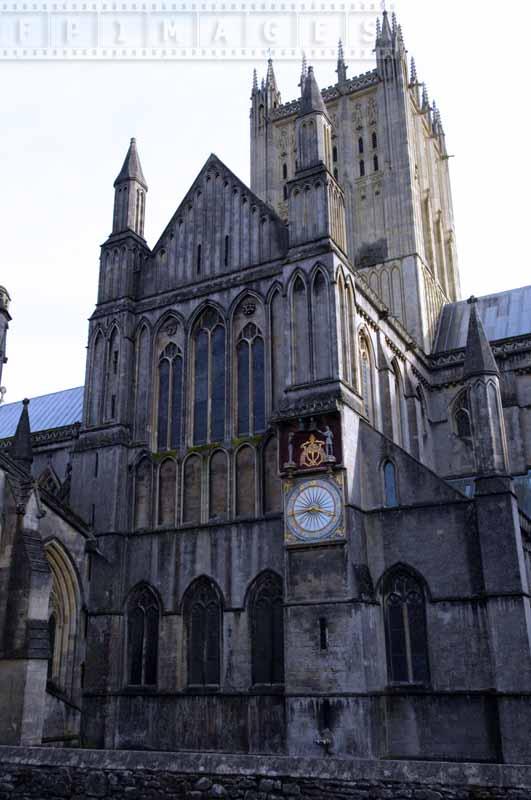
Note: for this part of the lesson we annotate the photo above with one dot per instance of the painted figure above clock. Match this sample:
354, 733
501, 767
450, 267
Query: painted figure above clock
311, 444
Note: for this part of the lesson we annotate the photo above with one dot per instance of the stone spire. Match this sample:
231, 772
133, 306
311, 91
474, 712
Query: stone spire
312, 99
341, 66
131, 169
304, 71
130, 189
482, 378
479, 358
271, 81
414, 77
21, 450
385, 39
255, 83
425, 98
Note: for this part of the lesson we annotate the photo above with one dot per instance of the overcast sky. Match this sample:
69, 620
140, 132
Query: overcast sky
65, 128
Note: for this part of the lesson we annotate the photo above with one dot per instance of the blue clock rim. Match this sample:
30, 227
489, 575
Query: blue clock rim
325, 533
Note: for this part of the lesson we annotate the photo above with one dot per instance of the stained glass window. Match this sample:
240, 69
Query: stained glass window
209, 388
203, 621
169, 418
251, 381
267, 631
405, 621
142, 638
391, 494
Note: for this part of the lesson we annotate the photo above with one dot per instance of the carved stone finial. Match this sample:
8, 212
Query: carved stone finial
471, 300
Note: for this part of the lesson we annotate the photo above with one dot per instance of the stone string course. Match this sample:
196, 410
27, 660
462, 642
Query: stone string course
47, 774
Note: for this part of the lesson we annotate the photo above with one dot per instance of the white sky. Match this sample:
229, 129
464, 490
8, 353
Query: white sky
65, 128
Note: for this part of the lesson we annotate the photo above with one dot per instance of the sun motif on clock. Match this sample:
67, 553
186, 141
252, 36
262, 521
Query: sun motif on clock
314, 510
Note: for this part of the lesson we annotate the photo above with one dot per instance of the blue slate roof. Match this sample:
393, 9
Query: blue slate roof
47, 411
503, 315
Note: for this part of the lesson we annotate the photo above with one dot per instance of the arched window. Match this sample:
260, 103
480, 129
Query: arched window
272, 487
143, 491
209, 378
366, 378
251, 380
284, 172
285, 192
267, 630
375, 163
245, 482
203, 615
167, 492
390, 488
360, 146
192, 490
336, 173
362, 169
405, 627
334, 154
217, 506
169, 418
374, 140
300, 333
462, 425
142, 638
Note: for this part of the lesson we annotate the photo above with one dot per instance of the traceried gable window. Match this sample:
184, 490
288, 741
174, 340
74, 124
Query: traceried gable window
251, 380
267, 631
142, 638
203, 626
169, 417
405, 626
209, 378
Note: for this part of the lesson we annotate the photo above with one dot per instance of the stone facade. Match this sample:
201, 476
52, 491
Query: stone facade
307, 485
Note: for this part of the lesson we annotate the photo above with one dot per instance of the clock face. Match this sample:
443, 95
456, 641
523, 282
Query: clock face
314, 510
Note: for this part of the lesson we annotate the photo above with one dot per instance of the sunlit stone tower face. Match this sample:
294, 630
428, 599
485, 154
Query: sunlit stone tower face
389, 155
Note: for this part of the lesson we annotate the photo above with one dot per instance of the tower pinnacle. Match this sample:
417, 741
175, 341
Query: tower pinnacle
312, 99
21, 450
131, 168
479, 358
341, 66
130, 189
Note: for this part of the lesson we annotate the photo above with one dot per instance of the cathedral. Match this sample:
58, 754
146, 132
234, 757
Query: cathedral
289, 513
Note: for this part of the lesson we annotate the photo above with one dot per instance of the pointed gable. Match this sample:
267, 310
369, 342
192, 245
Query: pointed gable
220, 227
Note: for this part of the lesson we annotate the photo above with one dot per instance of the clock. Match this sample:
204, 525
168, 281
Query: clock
314, 510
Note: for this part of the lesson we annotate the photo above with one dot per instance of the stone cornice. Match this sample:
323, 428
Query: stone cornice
50, 436
365, 81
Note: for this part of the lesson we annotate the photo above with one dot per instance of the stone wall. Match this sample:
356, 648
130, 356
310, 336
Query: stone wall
48, 774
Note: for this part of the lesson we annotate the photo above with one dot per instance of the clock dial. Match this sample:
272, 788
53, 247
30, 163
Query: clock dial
313, 510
